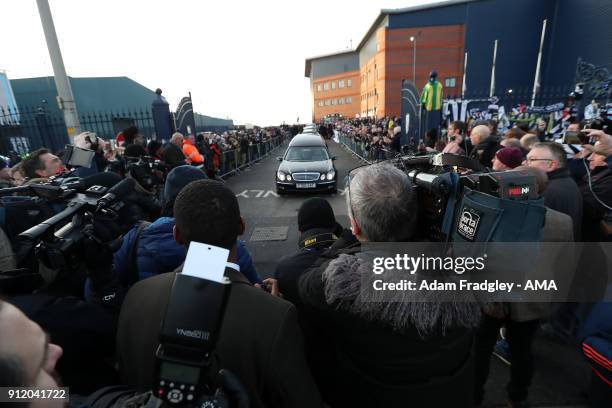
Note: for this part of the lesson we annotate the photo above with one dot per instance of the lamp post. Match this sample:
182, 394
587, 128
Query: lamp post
414, 45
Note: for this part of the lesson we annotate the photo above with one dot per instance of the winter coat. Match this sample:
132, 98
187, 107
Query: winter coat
593, 211
158, 252
485, 151
365, 353
562, 194
173, 156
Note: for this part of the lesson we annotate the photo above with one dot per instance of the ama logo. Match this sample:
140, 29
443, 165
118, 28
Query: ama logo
467, 226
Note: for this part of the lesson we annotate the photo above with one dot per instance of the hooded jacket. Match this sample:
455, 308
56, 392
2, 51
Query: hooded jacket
366, 353
158, 253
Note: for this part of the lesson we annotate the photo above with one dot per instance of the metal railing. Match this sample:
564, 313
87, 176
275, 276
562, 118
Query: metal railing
356, 147
233, 161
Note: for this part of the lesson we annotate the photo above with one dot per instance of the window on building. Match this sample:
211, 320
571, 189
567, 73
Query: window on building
341, 101
334, 101
349, 82
327, 102
326, 86
334, 85
318, 87
348, 99
320, 103
341, 83
450, 82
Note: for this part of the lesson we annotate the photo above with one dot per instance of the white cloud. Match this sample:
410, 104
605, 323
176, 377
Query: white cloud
239, 58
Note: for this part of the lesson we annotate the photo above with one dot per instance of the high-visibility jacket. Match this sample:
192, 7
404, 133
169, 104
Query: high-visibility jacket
191, 153
431, 98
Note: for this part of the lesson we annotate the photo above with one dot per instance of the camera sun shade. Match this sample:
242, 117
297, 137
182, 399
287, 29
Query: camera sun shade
188, 337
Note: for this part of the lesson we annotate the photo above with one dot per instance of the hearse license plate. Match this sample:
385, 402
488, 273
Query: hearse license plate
306, 185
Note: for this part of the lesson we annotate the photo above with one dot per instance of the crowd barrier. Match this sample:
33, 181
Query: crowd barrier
232, 161
358, 149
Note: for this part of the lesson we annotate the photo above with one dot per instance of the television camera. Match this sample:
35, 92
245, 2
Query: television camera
56, 240
453, 192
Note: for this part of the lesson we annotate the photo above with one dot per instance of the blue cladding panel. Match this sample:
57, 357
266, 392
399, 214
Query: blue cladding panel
450, 15
583, 29
334, 65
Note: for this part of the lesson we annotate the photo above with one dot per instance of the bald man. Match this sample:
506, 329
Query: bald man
173, 152
484, 144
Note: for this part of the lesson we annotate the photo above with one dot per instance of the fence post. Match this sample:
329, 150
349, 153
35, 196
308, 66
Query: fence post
161, 117
45, 138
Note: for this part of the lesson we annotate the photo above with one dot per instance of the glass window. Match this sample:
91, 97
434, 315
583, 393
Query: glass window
318, 87
334, 85
450, 82
298, 153
349, 99
341, 83
326, 86
349, 83
333, 101
327, 102
341, 101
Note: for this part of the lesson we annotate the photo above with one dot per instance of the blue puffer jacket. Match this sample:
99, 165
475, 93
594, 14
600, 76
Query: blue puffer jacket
158, 253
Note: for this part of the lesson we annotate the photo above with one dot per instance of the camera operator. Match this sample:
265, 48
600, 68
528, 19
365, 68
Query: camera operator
41, 164
562, 193
260, 340
150, 249
318, 231
27, 358
371, 353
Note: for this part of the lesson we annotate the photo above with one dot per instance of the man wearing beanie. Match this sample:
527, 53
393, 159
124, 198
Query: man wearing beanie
507, 158
150, 249
318, 231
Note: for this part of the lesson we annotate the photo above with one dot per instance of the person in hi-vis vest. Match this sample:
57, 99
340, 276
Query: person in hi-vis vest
431, 100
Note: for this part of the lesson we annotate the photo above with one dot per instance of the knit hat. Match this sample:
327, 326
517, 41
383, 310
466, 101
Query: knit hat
316, 213
178, 178
510, 156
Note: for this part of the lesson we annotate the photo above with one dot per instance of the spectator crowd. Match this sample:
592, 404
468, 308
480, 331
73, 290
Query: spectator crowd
308, 337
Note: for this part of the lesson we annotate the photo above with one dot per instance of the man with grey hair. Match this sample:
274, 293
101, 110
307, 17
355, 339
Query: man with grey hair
367, 351
485, 145
173, 152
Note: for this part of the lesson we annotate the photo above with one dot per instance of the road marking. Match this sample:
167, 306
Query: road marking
268, 193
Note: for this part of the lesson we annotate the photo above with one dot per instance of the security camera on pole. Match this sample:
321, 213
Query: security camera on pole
65, 98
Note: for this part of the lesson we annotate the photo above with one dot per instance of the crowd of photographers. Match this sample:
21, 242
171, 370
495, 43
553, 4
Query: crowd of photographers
309, 337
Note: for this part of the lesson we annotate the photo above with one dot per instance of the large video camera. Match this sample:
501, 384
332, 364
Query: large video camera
146, 170
459, 202
57, 240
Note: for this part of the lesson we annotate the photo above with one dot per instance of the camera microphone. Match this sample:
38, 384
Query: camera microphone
118, 191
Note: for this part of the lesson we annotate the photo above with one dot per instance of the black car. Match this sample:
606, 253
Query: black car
306, 166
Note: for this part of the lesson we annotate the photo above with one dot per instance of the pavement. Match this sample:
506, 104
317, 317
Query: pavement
561, 374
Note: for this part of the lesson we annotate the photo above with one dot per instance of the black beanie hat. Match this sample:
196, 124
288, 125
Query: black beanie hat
178, 178
316, 213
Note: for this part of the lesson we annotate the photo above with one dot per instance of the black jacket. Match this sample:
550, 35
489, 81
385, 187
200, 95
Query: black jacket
366, 354
593, 210
562, 194
260, 342
291, 267
173, 155
485, 151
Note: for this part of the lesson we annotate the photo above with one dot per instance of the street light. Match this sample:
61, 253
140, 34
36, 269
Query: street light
414, 47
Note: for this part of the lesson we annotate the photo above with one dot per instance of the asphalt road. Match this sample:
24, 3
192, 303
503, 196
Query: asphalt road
561, 374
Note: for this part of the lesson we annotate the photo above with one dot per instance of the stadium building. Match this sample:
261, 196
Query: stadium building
458, 38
